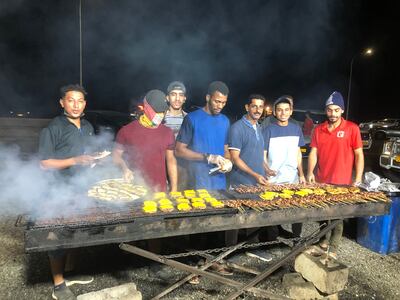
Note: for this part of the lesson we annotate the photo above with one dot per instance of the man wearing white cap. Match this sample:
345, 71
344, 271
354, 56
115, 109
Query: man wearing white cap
336, 148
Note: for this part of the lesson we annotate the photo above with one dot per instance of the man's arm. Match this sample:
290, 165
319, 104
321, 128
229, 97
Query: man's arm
302, 179
227, 153
359, 165
172, 168
120, 162
58, 164
235, 155
182, 150
312, 162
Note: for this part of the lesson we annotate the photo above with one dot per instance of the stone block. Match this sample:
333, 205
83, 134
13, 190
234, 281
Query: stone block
122, 292
331, 297
304, 290
291, 279
328, 275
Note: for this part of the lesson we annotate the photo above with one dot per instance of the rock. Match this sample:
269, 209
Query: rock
304, 290
122, 292
328, 275
292, 278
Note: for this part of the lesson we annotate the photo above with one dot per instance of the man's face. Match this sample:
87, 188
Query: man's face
216, 102
255, 109
176, 99
283, 111
73, 103
267, 110
334, 113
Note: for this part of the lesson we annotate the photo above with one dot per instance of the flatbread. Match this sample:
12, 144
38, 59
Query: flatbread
116, 190
100, 155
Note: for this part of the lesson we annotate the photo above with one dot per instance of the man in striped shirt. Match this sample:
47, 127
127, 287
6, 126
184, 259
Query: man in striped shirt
176, 97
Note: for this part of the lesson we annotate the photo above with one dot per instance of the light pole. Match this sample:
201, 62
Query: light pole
366, 52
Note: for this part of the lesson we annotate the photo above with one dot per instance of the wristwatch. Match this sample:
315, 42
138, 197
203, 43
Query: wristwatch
205, 156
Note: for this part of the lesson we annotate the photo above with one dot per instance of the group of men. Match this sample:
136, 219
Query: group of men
172, 150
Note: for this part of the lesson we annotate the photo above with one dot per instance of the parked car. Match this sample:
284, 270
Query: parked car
389, 159
378, 131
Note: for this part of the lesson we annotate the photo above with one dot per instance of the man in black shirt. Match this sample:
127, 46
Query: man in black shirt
62, 151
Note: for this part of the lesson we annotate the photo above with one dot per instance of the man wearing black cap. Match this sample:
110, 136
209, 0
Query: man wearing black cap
176, 98
203, 140
336, 147
145, 146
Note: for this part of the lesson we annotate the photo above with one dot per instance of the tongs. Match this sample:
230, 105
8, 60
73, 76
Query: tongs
213, 170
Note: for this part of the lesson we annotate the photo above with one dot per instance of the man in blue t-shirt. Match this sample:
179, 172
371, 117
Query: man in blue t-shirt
246, 145
203, 140
283, 140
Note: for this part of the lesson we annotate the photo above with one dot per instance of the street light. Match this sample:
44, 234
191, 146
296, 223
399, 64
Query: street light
366, 52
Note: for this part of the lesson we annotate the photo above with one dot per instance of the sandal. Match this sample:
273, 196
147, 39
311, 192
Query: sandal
195, 280
316, 251
221, 269
333, 255
323, 246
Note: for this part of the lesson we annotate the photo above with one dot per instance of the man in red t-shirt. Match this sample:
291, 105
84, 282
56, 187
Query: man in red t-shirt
308, 125
146, 146
336, 147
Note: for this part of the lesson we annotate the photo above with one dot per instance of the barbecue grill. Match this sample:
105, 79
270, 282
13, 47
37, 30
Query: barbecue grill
108, 223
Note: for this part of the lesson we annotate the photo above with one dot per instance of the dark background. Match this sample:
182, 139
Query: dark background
302, 48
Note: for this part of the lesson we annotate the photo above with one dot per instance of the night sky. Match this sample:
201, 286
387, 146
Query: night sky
301, 48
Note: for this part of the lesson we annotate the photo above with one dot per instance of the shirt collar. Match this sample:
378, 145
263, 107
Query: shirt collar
341, 125
248, 123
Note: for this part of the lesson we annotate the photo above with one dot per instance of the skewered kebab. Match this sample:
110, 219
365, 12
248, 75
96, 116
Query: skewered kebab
255, 189
320, 200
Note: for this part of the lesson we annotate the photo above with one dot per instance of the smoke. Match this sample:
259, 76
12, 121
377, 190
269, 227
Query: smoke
28, 189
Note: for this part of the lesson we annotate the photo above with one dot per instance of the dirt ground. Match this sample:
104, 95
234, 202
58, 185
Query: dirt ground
27, 276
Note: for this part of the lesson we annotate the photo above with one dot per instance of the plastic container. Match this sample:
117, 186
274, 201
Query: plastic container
381, 233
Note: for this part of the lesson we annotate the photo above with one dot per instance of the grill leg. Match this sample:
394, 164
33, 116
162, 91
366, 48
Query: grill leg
196, 271
296, 250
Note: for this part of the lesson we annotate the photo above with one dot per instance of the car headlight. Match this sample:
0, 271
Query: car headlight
387, 147
396, 148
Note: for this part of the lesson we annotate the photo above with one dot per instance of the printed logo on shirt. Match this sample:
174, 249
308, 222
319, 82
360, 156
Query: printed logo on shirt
340, 134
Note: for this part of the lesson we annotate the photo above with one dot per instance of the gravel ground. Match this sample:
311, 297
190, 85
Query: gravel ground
22, 276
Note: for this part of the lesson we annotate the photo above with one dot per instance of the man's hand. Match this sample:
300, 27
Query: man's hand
226, 166
128, 175
269, 172
83, 160
261, 179
356, 183
215, 159
311, 178
302, 179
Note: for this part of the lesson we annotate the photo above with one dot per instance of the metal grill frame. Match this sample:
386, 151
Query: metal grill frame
64, 237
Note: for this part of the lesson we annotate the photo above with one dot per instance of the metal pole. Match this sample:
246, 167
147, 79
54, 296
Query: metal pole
349, 91
80, 44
